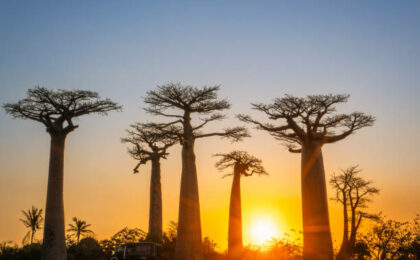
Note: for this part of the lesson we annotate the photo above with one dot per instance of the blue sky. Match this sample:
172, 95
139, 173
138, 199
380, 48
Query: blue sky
138, 44
256, 50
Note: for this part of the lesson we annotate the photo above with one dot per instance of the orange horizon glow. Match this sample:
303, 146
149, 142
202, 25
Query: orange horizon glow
101, 189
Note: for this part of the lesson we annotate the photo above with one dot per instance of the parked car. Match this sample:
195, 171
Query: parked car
138, 251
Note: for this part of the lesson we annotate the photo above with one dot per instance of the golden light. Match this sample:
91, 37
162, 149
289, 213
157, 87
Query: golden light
262, 231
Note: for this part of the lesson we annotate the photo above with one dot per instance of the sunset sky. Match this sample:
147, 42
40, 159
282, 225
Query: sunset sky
256, 50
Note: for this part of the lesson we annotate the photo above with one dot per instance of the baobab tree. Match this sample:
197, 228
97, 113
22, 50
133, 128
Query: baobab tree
181, 103
80, 228
354, 193
307, 124
56, 110
150, 144
33, 220
244, 165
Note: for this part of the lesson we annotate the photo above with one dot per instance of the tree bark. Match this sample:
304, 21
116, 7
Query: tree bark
344, 252
188, 243
317, 243
235, 244
155, 209
54, 247
352, 240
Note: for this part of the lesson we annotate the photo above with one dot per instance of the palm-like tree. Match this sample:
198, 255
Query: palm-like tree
80, 228
33, 220
245, 165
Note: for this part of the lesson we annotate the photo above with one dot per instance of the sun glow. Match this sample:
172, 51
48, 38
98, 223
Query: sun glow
262, 231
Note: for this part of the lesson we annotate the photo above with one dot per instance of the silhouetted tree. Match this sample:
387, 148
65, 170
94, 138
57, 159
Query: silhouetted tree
285, 248
188, 100
209, 248
361, 251
244, 165
150, 144
307, 124
390, 239
169, 241
57, 109
354, 193
125, 235
80, 228
33, 220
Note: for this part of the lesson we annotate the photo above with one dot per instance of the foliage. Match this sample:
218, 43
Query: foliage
282, 249
391, 239
209, 247
80, 228
87, 249
125, 235
169, 240
8, 250
31, 252
361, 251
33, 220
70, 240
285, 249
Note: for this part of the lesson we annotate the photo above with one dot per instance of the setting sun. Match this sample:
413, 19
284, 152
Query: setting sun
262, 231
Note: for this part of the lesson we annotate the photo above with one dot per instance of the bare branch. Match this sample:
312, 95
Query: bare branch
175, 95
213, 117
189, 101
352, 122
267, 127
160, 113
154, 136
309, 119
235, 134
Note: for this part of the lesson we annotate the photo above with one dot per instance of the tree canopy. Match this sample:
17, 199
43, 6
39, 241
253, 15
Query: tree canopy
171, 99
354, 189
307, 119
56, 109
147, 142
243, 162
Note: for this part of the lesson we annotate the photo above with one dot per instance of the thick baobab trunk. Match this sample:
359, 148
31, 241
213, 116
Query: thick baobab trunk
317, 244
155, 210
235, 218
188, 243
54, 247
